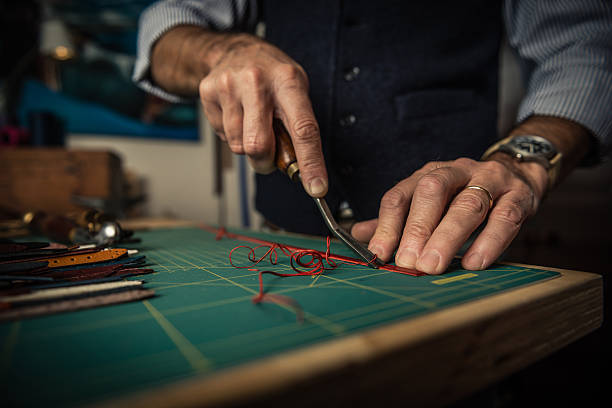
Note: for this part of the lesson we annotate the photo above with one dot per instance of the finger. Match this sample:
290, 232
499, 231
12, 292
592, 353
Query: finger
431, 196
258, 137
466, 212
232, 125
391, 218
298, 117
213, 114
504, 222
363, 231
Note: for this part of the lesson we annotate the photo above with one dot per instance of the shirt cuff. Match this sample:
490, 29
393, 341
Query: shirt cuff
154, 22
582, 96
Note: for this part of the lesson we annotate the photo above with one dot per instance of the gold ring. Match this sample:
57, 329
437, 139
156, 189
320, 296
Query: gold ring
486, 192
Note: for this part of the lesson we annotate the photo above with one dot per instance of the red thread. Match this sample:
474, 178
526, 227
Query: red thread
220, 233
305, 262
302, 265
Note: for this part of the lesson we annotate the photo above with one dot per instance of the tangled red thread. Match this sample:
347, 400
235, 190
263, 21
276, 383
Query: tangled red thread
300, 263
305, 262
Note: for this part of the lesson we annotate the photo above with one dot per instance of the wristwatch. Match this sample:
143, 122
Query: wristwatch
530, 148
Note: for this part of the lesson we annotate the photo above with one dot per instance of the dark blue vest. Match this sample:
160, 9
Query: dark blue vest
394, 85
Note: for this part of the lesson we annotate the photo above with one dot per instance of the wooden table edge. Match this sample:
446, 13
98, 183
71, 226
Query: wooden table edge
561, 310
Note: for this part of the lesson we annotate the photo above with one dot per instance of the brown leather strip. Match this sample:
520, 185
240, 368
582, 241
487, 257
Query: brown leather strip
81, 259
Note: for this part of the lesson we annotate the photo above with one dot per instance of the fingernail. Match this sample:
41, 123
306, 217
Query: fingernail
428, 262
475, 261
406, 258
317, 187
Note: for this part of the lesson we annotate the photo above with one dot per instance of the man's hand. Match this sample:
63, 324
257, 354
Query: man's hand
243, 83
430, 215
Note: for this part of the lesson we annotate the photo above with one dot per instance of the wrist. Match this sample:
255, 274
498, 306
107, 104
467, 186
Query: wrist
570, 139
186, 54
555, 145
532, 173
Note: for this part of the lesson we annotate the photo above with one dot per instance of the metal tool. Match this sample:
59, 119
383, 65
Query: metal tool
286, 161
89, 227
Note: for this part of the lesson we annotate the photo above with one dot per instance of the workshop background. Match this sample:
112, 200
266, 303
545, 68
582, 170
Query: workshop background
65, 83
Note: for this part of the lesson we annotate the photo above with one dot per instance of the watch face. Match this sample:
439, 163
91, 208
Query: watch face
533, 145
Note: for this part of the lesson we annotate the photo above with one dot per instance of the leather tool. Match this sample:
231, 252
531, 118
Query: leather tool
82, 257
286, 161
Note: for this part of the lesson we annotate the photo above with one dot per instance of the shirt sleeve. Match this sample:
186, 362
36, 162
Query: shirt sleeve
565, 50
217, 15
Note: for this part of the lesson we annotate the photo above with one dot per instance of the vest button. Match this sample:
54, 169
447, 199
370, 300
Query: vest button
346, 170
348, 120
351, 74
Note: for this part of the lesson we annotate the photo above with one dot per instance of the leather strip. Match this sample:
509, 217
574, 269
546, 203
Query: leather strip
58, 293
80, 259
76, 304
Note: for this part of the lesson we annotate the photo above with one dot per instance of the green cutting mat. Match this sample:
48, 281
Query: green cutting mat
202, 319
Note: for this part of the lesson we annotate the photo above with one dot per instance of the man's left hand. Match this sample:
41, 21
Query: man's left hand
428, 216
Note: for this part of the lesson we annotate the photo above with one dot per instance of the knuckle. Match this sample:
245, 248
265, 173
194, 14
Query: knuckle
470, 203
434, 165
383, 232
206, 90
290, 75
394, 199
256, 145
493, 166
465, 162
253, 75
498, 239
419, 230
225, 82
310, 165
306, 131
432, 184
511, 213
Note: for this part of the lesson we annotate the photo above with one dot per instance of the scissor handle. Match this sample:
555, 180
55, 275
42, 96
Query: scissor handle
285, 158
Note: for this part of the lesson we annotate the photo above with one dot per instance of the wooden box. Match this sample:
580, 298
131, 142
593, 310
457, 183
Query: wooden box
59, 181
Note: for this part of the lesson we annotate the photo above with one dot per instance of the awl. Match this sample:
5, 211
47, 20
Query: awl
286, 161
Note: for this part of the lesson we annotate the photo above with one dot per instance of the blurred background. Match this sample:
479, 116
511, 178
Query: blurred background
66, 89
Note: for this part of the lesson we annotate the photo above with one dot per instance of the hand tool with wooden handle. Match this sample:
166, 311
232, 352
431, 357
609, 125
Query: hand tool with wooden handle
286, 161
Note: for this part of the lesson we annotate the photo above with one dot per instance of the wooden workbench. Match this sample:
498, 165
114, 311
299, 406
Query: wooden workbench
430, 358
430, 361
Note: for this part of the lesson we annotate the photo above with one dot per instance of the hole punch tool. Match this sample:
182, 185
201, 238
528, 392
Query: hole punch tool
286, 161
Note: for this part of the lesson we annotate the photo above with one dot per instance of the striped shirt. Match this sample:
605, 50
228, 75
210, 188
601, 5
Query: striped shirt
564, 48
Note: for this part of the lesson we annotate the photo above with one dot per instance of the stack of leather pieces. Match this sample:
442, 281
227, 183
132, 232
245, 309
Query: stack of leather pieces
39, 278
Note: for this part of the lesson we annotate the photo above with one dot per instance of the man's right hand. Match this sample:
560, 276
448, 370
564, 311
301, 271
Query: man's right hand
244, 83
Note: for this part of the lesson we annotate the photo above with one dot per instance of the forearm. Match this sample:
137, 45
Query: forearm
186, 54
